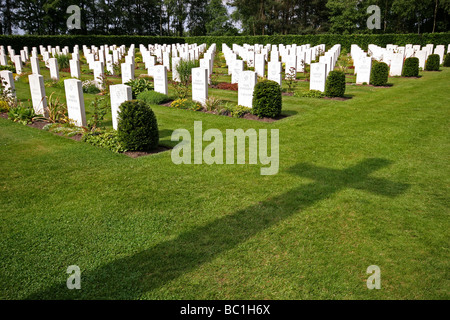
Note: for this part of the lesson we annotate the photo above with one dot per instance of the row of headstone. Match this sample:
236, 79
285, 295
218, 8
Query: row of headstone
295, 58
362, 63
319, 71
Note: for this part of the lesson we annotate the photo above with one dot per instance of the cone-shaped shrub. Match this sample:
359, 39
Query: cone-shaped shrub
411, 67
433, 62
137, 128
335, 85
267, 99
380, 74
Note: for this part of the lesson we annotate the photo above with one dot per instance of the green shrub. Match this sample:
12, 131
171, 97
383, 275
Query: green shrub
240, 111
137, 127
90, 86
433, 62
152, 97
411, 67
9, 68
309, 94
108, 140
335, 84
380, 74
4, 106
63, 61
447, 60
21, 114
139, 85
267, 99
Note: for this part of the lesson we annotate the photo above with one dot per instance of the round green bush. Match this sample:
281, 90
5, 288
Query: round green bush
152, 97
411, 67
433, 62
380, 74
137, 127
267, 99
447, 60
335, 85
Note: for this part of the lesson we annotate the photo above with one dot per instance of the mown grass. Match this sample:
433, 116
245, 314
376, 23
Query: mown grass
362, 182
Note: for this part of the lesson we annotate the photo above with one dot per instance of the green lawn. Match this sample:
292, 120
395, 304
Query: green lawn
362, 182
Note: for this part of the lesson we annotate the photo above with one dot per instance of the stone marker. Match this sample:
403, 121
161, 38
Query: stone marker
247, 82
200, 84
18, 64
54, 71
274, 71
35, 65
396, 66
74, 68
7, 79
175, 74
422, 56
127, 72
75, 101
160, 79
38, 97
238, 68
3, 59
119, 93
318, 76
98, 74
364, 69
260, 64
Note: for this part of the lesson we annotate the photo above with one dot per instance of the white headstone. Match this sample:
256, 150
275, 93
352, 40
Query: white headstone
291, 65
364, 69
75, 101
98, 73
247, 82
3, 59
18, 64
54, 71
318, 76
396, 66
260, 64
7, 79
160, 79
175, 74
238, 68
119, 93
37, 90
422, 56
35, 65
200, 84
274, 71
74, 68
127, 72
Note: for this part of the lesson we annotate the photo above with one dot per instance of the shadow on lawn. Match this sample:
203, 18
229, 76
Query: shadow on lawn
130, 277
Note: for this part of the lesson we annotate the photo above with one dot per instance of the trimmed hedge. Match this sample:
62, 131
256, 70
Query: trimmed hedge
137, 128
447, 60
380, 74
335, 85
267, 99
411, 67
433, 62
18, 42
363, 40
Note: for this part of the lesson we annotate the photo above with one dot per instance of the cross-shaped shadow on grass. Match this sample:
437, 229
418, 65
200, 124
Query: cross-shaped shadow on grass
130, 277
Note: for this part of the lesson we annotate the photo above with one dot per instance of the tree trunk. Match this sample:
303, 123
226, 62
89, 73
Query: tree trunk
435, 14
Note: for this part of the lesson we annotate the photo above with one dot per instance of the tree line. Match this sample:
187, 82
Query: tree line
211, 17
